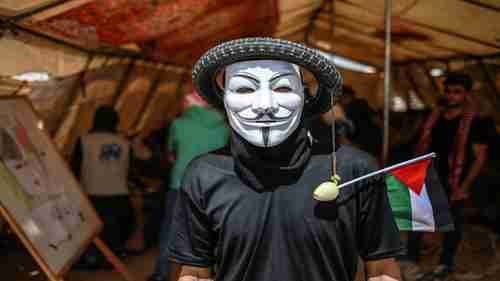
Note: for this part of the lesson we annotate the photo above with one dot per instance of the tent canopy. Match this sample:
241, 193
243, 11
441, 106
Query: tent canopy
137, 54
178, 31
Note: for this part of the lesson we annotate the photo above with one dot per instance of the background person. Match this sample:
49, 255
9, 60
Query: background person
460, 138
198, 130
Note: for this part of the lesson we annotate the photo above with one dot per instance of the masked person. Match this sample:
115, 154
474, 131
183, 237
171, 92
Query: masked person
249, 211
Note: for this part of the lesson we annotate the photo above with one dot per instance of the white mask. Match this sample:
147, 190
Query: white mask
264, 100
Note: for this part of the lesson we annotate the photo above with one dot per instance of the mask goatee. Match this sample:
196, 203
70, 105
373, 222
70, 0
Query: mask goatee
265, 135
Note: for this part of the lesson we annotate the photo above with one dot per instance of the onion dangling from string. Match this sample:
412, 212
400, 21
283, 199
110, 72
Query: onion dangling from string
327, 191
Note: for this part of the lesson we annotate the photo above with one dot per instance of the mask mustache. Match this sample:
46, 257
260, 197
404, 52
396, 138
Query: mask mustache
265, 117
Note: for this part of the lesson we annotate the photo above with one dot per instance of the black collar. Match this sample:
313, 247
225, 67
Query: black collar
268, 168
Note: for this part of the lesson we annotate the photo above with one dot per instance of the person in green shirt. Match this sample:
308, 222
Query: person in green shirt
199, 130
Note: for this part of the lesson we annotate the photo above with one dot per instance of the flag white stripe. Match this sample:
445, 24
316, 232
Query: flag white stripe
421, 211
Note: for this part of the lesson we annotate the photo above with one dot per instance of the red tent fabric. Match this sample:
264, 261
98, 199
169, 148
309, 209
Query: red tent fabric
170, 30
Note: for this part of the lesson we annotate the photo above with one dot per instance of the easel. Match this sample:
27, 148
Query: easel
119, 266
14, 211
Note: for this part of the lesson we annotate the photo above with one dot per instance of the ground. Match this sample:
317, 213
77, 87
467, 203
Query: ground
475, 254
19, 266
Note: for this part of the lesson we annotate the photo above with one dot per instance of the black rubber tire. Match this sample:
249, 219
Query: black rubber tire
261, 48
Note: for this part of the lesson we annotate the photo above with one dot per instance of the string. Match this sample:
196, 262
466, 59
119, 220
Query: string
334, 154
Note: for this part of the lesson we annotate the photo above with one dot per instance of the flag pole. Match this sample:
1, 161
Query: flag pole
388, 169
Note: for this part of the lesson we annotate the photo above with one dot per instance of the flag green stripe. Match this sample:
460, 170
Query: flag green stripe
400, 201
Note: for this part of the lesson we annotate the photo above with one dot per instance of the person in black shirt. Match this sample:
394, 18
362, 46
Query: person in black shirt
247, 211
460, 138
486, 197
368, 133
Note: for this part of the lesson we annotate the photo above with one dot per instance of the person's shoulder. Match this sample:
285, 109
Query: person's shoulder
349, 159
106, 136
122, 139
483, 120
177, 123
355, 155
354, 163
319, 161
360, 101
204, 171
483, 128
215, 161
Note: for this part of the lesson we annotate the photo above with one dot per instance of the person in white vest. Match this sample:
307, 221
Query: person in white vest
101, 162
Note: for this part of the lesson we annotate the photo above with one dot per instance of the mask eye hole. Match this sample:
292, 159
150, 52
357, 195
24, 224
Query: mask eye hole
283, 89
244, 90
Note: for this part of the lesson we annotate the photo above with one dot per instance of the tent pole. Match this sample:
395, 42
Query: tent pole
123, 82
411, 79
467, 57
490, 81
73, 95
387, 80
429, 76
115, 53
149, 99
311, 26
38, 10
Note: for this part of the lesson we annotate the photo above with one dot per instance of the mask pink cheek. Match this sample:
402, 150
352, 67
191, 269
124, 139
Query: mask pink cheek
237, 103
290, 101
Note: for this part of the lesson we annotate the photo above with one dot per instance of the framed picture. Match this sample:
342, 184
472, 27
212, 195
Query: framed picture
39, 196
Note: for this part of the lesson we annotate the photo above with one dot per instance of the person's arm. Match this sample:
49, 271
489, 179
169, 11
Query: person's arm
171, 143
191, 246
480, 135
192, 273
379, 237
140, 150
383, 270
76, 159
480, 155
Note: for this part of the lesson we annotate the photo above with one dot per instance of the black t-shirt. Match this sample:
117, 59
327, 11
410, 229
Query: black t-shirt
321, 134
283, 233
444, 135
359, 112
494, 150
367, 134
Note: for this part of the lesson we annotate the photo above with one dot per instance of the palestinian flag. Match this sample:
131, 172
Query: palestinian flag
417, 198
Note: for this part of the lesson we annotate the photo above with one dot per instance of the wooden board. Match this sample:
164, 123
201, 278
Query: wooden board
39, 196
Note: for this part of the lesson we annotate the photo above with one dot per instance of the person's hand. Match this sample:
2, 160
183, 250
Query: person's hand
462, 193
459, 195
141, 151
171, 157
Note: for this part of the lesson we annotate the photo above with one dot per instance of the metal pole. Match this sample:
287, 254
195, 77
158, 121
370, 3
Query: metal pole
387, 80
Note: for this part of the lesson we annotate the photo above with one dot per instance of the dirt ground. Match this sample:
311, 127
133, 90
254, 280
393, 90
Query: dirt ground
475, 254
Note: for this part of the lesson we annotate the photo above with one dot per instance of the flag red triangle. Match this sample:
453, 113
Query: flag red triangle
413, 175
